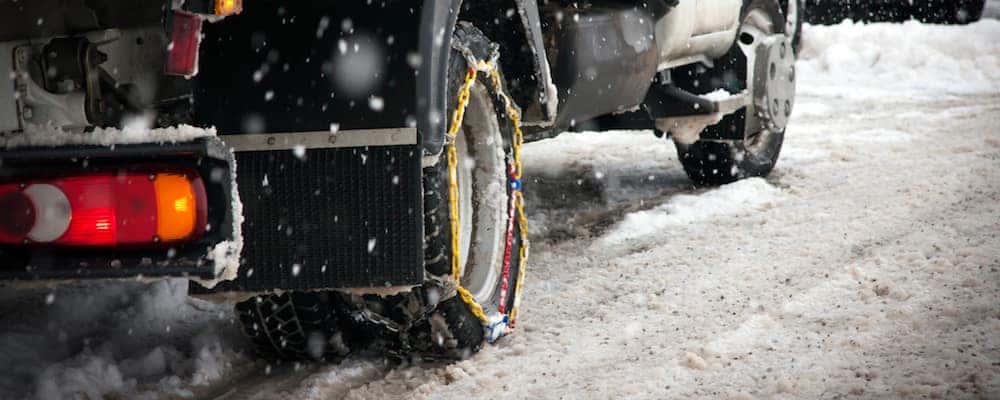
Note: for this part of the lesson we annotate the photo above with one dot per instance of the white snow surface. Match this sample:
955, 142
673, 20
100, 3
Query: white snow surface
866, 266
909, 58
740, 197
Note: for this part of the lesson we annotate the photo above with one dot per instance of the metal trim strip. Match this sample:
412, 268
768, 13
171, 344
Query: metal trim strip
322, 140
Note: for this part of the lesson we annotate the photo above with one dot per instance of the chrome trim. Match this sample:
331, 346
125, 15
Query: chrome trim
322, 140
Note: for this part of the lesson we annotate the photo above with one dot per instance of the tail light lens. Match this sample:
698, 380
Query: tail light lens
104, 209
185, 38
228, 7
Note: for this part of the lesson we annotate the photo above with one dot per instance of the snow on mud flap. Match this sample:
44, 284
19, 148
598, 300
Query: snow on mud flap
475, 243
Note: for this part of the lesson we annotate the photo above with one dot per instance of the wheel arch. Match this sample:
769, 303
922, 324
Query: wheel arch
516, 26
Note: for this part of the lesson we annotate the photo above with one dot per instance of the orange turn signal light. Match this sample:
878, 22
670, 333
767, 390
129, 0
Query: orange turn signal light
228, 7
176, 206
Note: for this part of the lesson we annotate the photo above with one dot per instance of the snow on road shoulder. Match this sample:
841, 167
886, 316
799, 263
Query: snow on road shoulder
732, 199
868, 60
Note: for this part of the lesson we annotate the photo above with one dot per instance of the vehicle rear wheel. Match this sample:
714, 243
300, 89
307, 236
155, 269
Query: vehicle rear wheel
887, 11
769, 76
948, 11
489, 236
296, 326
432, 321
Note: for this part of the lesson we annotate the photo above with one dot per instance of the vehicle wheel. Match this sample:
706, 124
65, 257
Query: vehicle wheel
866, 11
484, 146
825, 12
948, 11
432, 321
295, 326
764, 68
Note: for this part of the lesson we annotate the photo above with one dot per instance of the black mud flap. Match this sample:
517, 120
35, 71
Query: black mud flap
349, 217
207, 156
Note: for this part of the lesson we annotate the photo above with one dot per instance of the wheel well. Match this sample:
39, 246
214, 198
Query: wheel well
503, 23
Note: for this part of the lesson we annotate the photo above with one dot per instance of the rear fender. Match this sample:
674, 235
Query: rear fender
516, 26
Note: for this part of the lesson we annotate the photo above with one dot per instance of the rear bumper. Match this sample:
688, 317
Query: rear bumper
207, 156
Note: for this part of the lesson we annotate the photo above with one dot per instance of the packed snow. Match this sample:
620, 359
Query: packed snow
749, 195
866, 266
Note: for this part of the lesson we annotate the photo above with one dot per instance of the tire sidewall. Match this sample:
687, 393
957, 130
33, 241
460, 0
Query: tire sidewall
456, 77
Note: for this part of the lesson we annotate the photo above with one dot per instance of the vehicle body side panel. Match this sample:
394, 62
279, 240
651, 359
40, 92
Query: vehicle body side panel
437, 21
697, 30
306, 65
605, 54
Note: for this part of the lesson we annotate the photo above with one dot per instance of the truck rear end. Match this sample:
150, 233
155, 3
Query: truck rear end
123, 125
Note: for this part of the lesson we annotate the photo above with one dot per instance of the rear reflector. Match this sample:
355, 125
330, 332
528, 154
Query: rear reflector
52, 212
104, 209
185, 38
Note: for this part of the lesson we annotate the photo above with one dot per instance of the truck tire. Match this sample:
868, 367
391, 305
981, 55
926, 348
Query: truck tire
485, 152
295, 326
889, 11
720, 161
948, 11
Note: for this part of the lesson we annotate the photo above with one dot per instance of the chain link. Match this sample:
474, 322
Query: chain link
513, 114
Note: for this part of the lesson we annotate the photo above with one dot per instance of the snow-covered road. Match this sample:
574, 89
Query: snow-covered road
866, 266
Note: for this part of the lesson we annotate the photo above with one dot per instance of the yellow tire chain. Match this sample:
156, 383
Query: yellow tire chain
522, 220
456, 123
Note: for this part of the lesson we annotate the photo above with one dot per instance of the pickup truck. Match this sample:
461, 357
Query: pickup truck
348, 173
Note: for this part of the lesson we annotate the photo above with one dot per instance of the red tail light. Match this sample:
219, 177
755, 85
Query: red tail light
104, 209
185, 38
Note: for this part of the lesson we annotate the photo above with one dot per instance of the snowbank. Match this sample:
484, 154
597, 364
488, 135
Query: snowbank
869, 60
